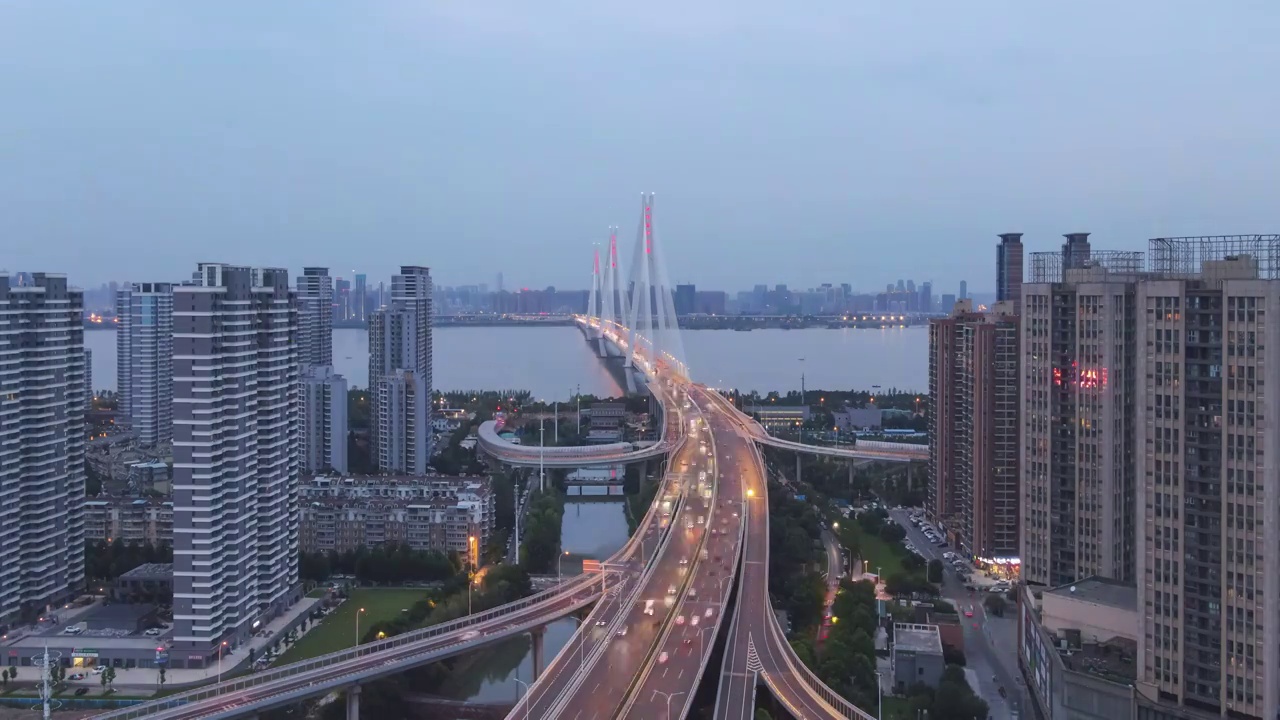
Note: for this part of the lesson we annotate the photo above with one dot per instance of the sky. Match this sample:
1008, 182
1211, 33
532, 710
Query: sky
795, 143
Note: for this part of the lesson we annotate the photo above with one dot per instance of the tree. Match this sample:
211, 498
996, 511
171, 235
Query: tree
162, 677
935, 571
110, 676
102, 680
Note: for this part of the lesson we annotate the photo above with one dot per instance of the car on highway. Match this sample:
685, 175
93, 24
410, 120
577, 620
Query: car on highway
470, 634
684, 561
968, 612
679, 619
648, 607
662, 657
694, 621
693, 592
708, 613
671, 589
601, 623
622, 631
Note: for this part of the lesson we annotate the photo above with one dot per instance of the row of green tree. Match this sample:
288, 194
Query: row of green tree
542, 525
795, 548
381, 565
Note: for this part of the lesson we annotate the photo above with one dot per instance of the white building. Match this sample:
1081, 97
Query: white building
144, 359
400, 367
324, 392
236, 454
42, 406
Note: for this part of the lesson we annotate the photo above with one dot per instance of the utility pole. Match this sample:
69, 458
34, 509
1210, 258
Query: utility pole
542, 453
556, 414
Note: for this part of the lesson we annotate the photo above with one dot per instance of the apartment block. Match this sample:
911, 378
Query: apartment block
400, 372
1078, 341
42, 436
424, 512
144, 359
236, 454
1009, 271
131, 520
974, 425
323, 392
1208, 509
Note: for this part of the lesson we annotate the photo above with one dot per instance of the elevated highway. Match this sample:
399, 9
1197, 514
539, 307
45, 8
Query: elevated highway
510, 453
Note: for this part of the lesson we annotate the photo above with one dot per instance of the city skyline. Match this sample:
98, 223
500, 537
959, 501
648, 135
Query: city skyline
986, 131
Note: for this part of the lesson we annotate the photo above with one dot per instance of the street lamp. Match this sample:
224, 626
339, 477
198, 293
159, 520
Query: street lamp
220, 646
879, 698
527, 690
669, 696
358, 613
560, 565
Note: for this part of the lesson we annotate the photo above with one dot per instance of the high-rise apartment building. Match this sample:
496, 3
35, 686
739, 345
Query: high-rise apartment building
144, 359
1208, 496
42, 436
1009, 269
973, 432
342, 300
88, 379
324, 392
400, 369
1077, 417
964, 290
236, 450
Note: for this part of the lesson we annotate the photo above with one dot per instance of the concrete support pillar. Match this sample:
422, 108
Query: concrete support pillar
851, 477
798, 469
537, 635
353, 702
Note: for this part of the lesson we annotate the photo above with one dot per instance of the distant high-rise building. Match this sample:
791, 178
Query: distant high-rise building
358, 299
964, 290
236, 512
926, 297
911, 286
1075, 251
684, 299
498, 286
324, 392
973, 432
144, 359
948, 302
341, 300
42, 475
902, 286
400, 370
1009, 268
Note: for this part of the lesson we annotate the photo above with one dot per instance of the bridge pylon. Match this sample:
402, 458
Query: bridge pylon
652, 317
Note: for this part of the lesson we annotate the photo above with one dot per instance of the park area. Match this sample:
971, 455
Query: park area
338, 631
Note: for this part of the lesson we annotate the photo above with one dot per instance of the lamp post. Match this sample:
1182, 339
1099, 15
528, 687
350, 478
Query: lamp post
879, 698
555, 416
669, 696
542, 452
358, 614
220, 646
559, 566
527, 690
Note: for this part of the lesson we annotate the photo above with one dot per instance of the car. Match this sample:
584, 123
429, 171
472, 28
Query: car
693, 592
684, 561
694, 621
671, 589
601, 623
968, 612
470, 635
622, 631
82, 691
708, 613
100, 669
76, 676
688, 641
152, 632
662, 657
679, 619
73, 630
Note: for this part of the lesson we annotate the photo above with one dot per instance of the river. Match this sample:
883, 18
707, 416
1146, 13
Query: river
554, 362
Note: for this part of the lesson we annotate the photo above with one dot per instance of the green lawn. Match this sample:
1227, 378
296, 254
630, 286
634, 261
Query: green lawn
896, 708
338, 631
878, 553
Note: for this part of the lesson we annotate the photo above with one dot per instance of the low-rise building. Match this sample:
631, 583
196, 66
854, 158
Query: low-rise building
779, 417
129, 519
916, 655
149, 582
606, 423
867, 417
1078, 650
432, 512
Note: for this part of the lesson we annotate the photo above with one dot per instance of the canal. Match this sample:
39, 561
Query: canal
592, 528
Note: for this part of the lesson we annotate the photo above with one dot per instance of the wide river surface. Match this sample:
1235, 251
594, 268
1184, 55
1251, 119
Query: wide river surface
553, 363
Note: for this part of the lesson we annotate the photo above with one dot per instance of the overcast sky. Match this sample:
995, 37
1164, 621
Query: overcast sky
797, 142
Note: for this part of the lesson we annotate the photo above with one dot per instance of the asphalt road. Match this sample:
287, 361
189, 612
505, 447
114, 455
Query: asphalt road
602, 690
981, 654
754, 644
669, 685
